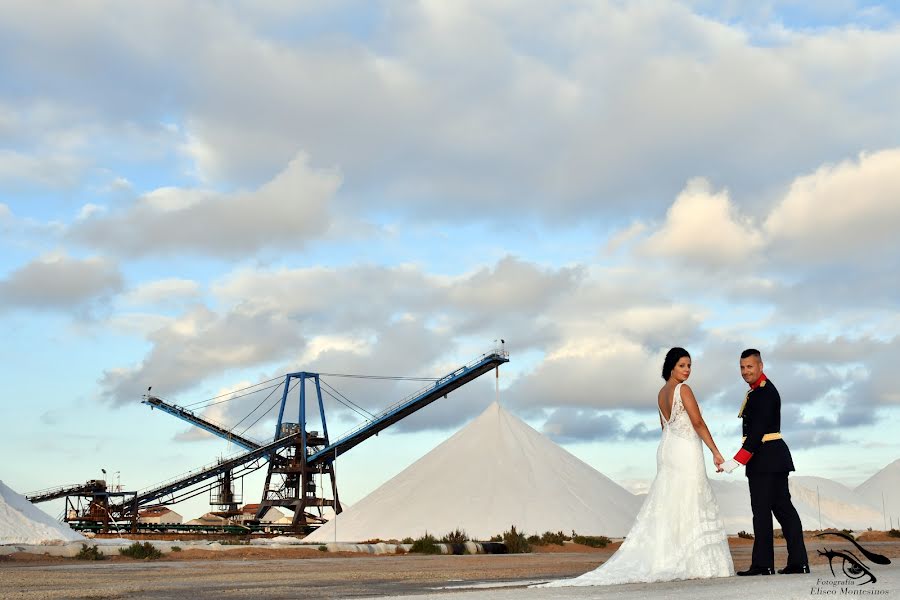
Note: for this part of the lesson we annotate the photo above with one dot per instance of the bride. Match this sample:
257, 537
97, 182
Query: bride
677, 534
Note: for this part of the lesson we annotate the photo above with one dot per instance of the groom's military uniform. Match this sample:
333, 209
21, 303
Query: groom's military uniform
768, 462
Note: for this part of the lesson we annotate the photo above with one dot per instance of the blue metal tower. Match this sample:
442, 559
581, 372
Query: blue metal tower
290, 480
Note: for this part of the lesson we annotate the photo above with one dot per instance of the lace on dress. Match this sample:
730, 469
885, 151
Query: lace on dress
679, 422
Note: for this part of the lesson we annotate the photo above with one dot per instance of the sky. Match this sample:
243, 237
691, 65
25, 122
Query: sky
199, 196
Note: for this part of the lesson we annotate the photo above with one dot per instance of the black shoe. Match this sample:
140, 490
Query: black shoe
794, 569
754, 570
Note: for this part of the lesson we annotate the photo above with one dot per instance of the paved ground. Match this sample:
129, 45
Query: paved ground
820, 583
488, 577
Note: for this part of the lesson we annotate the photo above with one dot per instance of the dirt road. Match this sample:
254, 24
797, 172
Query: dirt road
252, 575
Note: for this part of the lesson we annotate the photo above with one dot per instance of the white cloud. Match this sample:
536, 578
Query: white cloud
285, 212
841, 212
624, 237
52, 170
163, 292
592, 371
359, 319
512, 285
141, 325
89, 209
451, 112
200, 343
59, 282
704, 228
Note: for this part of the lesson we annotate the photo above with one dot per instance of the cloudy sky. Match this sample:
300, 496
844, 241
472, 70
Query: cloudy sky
200, 196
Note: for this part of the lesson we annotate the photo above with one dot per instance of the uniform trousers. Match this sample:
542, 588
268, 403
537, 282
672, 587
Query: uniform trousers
769, 495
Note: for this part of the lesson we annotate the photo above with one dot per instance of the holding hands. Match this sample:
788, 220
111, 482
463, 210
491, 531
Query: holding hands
718, 459
729, 465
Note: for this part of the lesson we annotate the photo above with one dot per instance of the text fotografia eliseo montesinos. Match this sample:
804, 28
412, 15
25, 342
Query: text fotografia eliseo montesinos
842, 587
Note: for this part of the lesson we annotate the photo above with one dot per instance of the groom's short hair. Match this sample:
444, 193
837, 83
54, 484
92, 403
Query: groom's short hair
751, 352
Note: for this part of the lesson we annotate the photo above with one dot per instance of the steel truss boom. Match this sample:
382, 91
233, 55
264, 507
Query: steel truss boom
408, 406
152, 495
189, 416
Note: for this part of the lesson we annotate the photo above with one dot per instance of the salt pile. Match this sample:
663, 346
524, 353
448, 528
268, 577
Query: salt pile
839, 506
21, 522
820, 502
882, 491
495, 472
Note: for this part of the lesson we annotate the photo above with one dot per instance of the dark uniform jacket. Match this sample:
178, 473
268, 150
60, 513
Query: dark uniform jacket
761, 415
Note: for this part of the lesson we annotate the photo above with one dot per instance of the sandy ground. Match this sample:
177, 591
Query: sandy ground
289, 573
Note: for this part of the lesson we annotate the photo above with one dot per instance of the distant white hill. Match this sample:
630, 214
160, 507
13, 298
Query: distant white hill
734, 503
841, 507
882, 491
495, 472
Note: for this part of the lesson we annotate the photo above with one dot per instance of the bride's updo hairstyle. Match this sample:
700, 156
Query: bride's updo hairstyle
672, 358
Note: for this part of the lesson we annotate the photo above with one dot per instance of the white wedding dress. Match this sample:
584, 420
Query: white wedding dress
677, 534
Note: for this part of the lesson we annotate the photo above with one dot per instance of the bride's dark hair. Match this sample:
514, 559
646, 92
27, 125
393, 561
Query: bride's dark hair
672, 358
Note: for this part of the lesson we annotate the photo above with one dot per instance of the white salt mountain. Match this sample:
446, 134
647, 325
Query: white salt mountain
21, 522
495, 472
821, 504
840, 506
882, 492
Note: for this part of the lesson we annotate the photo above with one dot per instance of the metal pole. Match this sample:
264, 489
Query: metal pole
334, 507
819, 504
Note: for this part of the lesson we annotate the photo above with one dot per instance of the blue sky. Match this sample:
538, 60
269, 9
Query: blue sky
198, 196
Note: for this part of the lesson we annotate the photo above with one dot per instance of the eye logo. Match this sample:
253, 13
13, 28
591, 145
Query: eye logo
851, 565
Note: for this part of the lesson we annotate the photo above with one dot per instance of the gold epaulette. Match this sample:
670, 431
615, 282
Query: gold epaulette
747, 397
744, 405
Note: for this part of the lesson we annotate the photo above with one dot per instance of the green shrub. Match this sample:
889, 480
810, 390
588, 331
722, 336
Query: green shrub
894, 533
554, 538
593, 541
516, 542
427, 544
534, 540
745, 535
407, 540
457, 536
139, 550
90, 553
323, 548
176, 548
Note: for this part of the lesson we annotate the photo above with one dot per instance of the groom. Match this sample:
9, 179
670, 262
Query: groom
768, 461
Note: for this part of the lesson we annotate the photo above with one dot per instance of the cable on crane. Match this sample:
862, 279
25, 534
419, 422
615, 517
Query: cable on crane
255, 385
336, 391
265, 413
364, 414
391, 377
333, 393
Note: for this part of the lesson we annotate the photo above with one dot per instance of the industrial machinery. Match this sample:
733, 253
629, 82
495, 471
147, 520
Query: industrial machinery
91, 505
294, 456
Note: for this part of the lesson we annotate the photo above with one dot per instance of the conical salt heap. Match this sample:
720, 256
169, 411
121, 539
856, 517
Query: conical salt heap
495, 472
